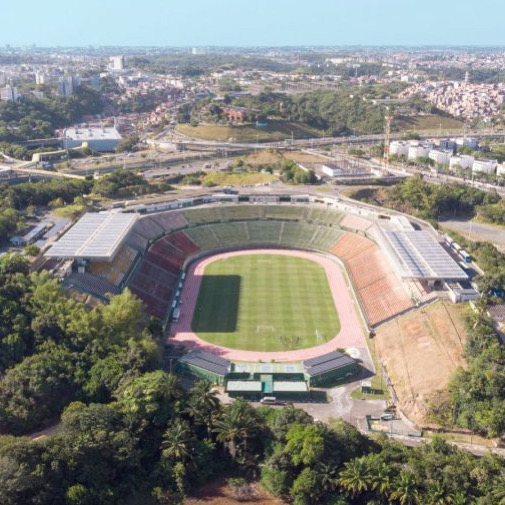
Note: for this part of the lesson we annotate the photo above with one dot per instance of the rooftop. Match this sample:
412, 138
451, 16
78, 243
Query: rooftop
96, 236
244, 386
326, 363
91, 133
422, 257
207, 361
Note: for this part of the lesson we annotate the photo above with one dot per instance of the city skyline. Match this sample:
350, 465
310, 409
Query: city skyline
260, 23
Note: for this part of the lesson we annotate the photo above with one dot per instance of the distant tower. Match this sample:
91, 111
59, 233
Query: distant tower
467, 77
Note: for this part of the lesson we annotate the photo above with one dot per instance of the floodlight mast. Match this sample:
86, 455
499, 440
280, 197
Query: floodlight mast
387, 141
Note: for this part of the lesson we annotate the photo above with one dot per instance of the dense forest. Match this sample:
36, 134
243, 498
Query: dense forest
33, 118
129, 429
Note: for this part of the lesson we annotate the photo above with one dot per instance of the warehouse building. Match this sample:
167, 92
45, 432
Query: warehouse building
97, 139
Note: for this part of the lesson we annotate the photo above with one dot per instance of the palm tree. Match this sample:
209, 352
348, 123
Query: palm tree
438, 495
203, 405
356, 478
498, 492
328, 477
381, 479
237, 424
405, 489
177, 441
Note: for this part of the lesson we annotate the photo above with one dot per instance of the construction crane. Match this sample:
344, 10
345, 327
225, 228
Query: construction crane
387, 140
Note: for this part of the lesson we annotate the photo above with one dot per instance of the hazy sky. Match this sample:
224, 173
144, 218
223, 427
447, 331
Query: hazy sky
252, 22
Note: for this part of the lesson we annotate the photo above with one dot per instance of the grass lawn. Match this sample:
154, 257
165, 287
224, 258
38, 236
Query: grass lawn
237, 179
432, 122
275, 131
265, 302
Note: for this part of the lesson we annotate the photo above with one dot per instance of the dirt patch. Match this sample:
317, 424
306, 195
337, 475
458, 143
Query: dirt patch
420, 352
301, 157
263, 157
219, 493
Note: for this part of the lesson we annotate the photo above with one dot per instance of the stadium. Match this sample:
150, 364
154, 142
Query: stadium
265, 292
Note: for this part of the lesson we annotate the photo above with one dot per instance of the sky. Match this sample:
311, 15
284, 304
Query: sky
251, 22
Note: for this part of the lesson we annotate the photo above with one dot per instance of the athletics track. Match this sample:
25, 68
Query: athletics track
351, 330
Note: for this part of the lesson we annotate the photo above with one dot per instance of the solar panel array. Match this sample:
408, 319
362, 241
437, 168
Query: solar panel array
423, 257
207, 361
94, 236
327, 363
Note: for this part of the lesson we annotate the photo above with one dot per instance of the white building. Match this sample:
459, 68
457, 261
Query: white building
9, 94
500, 170
418, 151
399, 148
98, 139
40, 78
116, 63
464, 161
484, 166
467, 142
440, 156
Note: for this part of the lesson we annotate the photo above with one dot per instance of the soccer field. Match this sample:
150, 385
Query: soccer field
265, 302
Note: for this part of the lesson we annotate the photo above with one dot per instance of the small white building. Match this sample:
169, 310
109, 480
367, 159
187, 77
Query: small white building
440, 156
399, 148
500, 169
418, 151
464, 161
467, 142
484, 166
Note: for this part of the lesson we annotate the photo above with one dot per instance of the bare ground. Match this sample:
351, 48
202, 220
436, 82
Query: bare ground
218, 493
301, 157
420, 352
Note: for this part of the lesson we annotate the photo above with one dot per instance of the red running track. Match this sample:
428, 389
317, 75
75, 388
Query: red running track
351, 331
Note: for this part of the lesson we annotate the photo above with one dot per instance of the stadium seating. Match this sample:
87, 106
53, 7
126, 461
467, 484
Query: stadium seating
203, 215
204, 237
324, 216
148, 228
230, 234
170, 220
156, 278
264, 232
381, 293
115, 271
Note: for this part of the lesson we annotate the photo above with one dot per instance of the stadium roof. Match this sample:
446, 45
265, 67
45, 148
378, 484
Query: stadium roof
96, 236
422, 257
327, 363
207, 361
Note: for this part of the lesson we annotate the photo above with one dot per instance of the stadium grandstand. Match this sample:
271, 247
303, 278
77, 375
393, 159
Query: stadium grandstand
149, 253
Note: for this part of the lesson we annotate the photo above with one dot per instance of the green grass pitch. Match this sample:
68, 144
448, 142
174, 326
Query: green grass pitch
265, 302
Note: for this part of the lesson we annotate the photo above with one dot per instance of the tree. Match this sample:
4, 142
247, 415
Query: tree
405, 489
178, 442
305, 444
356, 478
203, 405
237, 425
